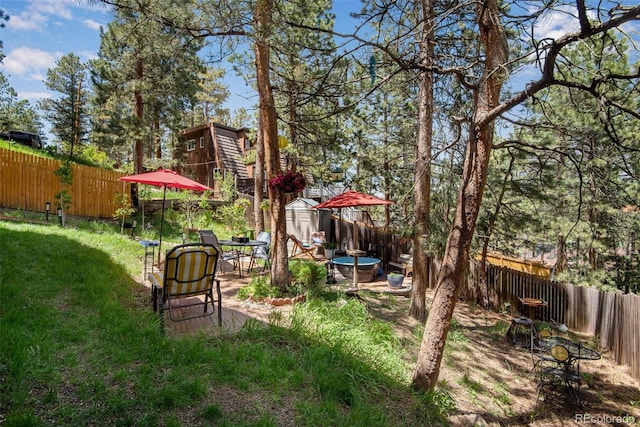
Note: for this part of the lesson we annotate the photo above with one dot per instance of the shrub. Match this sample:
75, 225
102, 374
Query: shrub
307, 275
233, 216
258, 287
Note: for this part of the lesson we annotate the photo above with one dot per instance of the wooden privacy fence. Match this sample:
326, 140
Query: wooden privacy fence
28, 182
378, 242
505, 286
611, 316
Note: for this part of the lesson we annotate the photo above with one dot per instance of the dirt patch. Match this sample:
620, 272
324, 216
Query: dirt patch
492, 381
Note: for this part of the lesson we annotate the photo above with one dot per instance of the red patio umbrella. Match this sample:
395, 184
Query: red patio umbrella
350, 199
165, 178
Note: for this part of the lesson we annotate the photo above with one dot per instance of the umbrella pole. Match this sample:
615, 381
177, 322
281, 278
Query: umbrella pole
339, 227
356, 243
164, 196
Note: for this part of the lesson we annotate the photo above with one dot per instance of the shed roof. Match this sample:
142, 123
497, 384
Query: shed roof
301, 203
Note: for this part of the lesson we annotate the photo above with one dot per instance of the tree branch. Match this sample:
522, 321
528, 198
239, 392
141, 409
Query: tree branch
553, 49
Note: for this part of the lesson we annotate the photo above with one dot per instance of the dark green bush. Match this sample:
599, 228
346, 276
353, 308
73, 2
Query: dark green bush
307, 275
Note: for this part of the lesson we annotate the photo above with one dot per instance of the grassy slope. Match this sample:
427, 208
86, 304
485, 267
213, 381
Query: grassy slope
80, 345
46, 153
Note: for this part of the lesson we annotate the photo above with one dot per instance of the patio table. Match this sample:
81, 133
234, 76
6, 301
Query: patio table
240, 247
532, 304
560, 364
149, 250
576, 350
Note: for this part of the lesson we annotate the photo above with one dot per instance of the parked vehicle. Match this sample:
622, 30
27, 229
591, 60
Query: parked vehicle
24, 138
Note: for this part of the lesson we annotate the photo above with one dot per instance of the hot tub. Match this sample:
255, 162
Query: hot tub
367, 268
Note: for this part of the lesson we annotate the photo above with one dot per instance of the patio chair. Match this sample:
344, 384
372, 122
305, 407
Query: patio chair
209, 237
301, 249
189, 272
557, 368
404, 265
261, 252
318, 238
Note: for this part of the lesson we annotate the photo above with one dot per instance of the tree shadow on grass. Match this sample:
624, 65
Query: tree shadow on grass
604, 389
86, 346
491, 378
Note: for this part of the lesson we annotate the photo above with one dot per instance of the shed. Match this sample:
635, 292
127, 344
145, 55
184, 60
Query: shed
303, 219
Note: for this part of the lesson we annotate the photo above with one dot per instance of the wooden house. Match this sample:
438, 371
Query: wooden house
211, 151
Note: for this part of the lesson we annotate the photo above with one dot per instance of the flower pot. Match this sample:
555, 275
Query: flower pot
329, 253
395, 280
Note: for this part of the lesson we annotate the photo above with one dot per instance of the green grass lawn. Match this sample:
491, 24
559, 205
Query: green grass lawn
80, 345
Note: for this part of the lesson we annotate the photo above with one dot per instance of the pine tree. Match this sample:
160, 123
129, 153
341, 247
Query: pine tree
581, 176
146, 78
17, 114
69, 113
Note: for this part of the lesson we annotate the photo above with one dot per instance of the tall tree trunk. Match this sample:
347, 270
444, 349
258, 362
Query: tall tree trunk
268, 121
258, 181
76, 124
387, 177
157, 145
293, 118
561, 264
593, 209
474, 175
138, 149
422, 171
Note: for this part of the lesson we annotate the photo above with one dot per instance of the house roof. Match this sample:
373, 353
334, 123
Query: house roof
230, 151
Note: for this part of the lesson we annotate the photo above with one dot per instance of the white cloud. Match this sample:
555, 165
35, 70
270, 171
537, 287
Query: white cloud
65, 8
90, 23
37, 13
29, 62
557, 23
33, 96
560, 21
26, 21
59, 8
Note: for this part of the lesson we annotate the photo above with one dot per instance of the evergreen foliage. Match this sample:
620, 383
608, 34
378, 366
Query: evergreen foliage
142, 63
17, 114
69, 113
573, 182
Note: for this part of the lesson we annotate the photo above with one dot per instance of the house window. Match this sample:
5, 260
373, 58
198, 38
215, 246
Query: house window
202, 142
191, 145
217, 174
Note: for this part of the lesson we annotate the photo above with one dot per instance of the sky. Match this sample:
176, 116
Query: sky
39, 32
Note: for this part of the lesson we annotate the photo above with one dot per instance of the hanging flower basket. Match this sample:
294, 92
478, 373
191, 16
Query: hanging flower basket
288, 182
